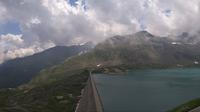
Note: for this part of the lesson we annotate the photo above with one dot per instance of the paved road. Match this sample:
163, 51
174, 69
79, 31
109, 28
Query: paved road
87, 102
90, 101
98, 102
195, 110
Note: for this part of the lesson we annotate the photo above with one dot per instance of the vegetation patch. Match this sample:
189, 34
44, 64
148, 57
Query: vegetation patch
59, 96
187, 106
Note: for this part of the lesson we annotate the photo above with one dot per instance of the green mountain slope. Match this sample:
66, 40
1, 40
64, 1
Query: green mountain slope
59, 96
22, 70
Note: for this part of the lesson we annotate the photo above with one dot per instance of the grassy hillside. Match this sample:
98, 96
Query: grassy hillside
187, 106
59, 96
21, 70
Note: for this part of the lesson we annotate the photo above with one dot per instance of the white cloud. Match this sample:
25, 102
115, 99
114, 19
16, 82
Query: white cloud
21, 52
13, 46
3, 13
35, 21
58, 22
12, 39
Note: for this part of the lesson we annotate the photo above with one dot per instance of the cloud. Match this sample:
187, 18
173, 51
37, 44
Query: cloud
13, 46
66, 22
21, 52
3, 13
12, 39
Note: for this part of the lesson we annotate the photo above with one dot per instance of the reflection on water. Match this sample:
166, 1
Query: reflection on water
155, 90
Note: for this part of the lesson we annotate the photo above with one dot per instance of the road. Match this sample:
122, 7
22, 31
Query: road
90, 101
195, 110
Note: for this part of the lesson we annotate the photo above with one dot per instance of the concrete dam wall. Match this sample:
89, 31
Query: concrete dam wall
90, 101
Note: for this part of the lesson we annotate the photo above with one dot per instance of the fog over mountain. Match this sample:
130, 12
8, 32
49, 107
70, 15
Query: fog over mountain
30, 26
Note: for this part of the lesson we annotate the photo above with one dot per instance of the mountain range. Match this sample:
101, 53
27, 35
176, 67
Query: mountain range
139, 50
21, 70
59, 86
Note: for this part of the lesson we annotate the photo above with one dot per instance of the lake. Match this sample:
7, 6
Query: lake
153, 90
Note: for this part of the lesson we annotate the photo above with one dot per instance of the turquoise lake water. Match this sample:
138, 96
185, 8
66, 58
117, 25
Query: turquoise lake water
153, 90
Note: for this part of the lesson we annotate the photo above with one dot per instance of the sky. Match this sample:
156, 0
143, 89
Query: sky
31, 26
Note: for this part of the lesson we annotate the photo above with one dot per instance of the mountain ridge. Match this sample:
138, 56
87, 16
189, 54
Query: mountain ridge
115, 54
139, 50
21, 70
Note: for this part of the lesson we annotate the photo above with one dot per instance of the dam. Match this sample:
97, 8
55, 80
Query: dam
151, 90
91, 100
